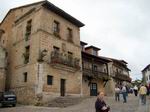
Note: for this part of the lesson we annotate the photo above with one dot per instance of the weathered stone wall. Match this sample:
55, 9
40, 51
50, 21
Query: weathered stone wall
2, 79
41, 38
2, 68
25, 94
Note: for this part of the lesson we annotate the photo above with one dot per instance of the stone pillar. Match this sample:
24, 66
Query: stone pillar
110, 85
39, 80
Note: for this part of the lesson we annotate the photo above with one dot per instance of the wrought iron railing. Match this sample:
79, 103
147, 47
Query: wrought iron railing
65, 59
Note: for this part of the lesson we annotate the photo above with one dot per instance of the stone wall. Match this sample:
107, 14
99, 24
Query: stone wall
25, 94
2, 79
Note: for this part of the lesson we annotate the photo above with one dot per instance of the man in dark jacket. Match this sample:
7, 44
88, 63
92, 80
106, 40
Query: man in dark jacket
100, 104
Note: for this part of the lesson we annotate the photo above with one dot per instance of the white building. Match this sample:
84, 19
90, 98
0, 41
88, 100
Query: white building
146, 74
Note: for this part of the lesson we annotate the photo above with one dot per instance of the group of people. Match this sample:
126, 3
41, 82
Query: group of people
121, 90
101, 106
143, 90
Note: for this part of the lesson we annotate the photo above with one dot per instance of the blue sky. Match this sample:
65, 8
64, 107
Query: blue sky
121, 28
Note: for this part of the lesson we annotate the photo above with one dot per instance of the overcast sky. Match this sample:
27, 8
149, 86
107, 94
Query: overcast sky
121, 28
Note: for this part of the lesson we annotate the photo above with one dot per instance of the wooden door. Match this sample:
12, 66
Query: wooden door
93, 89
62, 87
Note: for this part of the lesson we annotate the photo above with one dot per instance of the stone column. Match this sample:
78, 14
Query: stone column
110, 85
39, 81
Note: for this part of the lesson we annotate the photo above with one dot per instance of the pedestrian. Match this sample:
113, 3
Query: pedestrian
117, 93
127, 90
135, 90
100, 105
142, 94
124, 93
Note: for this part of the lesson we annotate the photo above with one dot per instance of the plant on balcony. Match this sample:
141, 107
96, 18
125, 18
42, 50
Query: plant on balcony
42, 54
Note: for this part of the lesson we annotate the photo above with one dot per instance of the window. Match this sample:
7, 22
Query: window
70, 56
26, 54
49, 80
95, 67
28, 29
94, 52
56, 49
104, 70
56, 27
25, 76
69, 35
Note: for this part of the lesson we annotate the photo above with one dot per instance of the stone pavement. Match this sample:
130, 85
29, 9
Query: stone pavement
87, 105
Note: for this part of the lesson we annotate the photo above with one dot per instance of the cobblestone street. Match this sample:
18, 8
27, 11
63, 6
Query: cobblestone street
87, 106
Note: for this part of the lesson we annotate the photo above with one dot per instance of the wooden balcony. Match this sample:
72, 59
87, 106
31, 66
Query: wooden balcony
122, 77
95, 73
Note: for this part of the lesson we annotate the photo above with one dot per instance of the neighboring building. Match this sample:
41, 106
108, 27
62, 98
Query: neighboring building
146, 74
44, 54
120, 72
102, 73
2, 64
95, 71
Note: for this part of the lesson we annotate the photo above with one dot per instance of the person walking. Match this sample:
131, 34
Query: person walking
124, 93
135, 90
117, 93
100, 105
142, 94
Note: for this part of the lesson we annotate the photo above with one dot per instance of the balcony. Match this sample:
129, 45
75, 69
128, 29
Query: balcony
95, 73
63, 60
122, 77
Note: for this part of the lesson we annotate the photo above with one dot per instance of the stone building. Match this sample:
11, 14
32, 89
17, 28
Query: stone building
95, 71
119, 72
44, 54
2, 64
146, 74
102, 73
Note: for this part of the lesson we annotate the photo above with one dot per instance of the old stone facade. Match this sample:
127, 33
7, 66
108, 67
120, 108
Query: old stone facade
46, 58
2, 64
95, 71
102, 73
2, 68
44, 54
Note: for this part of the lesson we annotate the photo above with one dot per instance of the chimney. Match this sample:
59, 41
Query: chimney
83, 44
92, 50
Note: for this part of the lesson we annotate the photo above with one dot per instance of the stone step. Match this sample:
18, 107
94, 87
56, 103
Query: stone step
65, 101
